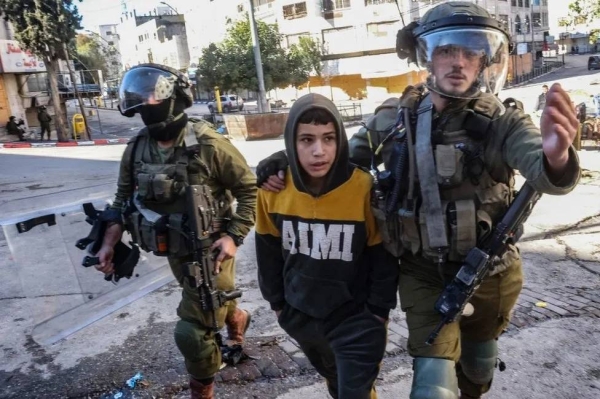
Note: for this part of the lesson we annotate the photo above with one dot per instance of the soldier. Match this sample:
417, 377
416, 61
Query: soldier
167, 155
14, 127
451, 149
44, 120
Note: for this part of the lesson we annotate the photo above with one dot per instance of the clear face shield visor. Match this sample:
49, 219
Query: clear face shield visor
145, 86
463, 61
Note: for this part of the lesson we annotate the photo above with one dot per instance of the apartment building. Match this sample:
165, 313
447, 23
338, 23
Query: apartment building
159, 36
110, 41
358, 36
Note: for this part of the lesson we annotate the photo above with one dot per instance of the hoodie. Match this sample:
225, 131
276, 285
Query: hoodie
322, 254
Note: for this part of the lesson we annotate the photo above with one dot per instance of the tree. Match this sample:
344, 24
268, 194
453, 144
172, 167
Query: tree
305, 59
93, 55
43, 27
230, 64
585, 11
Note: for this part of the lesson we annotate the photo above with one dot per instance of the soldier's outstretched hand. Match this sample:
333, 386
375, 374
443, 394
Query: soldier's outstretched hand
558, 126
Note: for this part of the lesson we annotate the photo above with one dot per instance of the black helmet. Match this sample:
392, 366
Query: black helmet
152, 82
457, 27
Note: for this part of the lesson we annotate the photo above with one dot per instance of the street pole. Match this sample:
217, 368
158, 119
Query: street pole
532, 25
263, 105
76, 91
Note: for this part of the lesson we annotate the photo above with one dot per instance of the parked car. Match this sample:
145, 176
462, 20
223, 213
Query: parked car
594, 62
229, 102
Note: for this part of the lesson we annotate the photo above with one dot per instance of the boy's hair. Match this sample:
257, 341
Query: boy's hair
316, 116
544, 86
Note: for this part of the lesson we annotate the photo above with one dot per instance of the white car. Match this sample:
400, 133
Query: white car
229, 102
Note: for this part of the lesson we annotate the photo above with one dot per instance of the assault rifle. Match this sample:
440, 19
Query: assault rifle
479, 261
205, 227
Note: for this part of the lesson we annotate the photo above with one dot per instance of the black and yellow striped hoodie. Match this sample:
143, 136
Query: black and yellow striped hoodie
322, 253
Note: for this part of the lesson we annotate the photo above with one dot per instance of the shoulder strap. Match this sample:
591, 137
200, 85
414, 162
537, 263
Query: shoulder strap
430, 193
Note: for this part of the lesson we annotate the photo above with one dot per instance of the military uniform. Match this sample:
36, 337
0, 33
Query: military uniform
160, 177
484, 147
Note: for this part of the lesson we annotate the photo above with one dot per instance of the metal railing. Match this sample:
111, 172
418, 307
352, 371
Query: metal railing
350, 112
535, 72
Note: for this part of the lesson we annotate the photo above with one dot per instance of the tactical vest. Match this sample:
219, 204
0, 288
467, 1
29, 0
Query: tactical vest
159, 212
475, 185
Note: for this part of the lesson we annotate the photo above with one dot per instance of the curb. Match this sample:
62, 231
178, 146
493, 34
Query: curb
65, 144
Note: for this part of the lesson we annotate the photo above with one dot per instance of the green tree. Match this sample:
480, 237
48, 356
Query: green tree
305, 59
92, 55
43, 27
230, 64
585, 11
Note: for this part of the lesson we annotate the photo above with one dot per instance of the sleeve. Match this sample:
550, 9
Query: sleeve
268, 255
235, 174
124, 184
522, 150
383, 272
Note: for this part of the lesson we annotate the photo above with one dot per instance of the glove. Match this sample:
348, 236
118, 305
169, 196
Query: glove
270, 166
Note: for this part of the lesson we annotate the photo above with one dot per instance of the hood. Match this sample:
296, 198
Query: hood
341, 169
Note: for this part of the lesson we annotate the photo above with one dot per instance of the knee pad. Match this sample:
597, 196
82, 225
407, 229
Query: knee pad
434, 378
478, 360
196, 344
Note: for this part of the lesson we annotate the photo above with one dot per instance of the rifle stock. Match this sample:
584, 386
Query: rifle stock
204, 228
479, 261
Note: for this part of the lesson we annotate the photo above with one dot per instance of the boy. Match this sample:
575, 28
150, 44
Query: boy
321, 265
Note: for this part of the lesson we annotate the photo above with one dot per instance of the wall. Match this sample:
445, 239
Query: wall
519, 65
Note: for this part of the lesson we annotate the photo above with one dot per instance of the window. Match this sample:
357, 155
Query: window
108, 33
37, 82
111, 43
141, 38
526, 3
331, 5
527, 24
375, 2
257, 3
520, 3
293, 11
537, 20
513, 3
518, 24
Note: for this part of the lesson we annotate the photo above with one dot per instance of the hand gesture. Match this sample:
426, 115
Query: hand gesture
558, 126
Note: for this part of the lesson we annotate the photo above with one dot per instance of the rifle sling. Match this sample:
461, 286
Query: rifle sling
431, 209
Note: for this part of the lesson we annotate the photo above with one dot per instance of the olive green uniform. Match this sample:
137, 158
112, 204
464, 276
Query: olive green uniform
506, 142
215, 162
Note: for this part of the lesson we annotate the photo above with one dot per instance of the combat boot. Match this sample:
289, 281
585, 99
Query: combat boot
237, 325
465, 396
200, 391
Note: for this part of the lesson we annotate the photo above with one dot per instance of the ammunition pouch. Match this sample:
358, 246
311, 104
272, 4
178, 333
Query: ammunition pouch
160, 183
449, 165
162, 237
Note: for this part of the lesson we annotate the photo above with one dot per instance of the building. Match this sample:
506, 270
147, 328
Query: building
358, 37
159, 36
22, 81
110, 41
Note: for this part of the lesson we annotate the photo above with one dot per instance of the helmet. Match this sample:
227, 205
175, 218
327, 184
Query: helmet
148, 84
458, 29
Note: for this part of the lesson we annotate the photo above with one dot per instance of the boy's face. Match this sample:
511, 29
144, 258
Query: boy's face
316, 146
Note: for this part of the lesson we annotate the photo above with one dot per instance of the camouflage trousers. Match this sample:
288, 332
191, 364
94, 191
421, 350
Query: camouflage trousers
194, 335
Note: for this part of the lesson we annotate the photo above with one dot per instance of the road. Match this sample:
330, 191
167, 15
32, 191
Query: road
550, 351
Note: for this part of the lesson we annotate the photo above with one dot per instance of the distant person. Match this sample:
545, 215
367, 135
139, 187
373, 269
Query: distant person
581, 112
44, 120
596, 101
13, 127
572, 49
577, 49
541, 100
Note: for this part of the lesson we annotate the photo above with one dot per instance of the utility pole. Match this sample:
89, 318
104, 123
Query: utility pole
532, 25
263, 104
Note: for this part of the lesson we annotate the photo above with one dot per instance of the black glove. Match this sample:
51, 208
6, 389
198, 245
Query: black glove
270, 166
